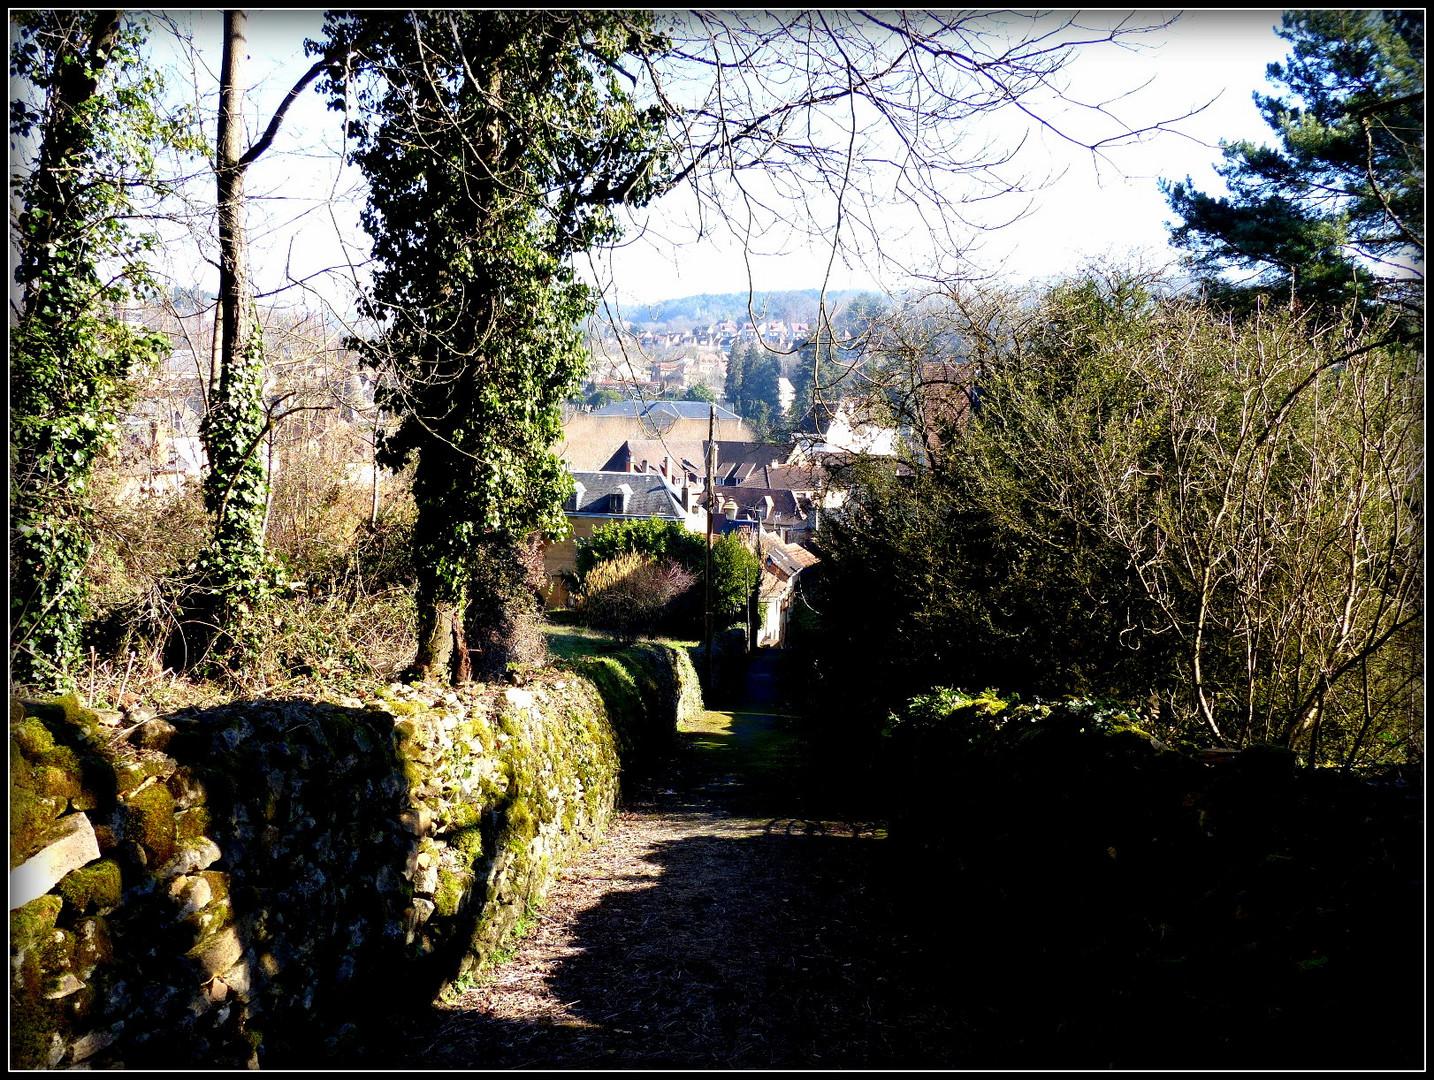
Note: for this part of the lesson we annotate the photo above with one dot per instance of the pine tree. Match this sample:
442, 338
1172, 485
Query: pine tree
1335, 212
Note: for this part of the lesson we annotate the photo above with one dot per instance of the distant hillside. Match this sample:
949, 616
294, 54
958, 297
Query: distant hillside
791, 305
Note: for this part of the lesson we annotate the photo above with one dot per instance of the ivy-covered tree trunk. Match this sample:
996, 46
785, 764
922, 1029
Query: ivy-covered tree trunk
437, 558
233, 575
503, 619
494, 143
69, 352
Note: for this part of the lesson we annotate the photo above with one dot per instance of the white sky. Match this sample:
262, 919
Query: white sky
1095, 209
1115, 210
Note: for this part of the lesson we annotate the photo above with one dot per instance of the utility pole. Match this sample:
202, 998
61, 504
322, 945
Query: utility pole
711, 494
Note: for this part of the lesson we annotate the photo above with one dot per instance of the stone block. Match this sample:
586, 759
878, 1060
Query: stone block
200, 855
425, 878
73, 846
192, 893
89, 1045
237, 979
217, 954
417, 820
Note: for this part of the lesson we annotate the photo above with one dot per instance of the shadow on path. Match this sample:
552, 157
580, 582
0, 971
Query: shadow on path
719, 927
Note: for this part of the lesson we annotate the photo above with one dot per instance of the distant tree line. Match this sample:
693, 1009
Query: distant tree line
704, 309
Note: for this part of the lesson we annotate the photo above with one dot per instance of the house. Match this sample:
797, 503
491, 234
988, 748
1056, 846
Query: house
773, 510
847, 433
782, 564
684, 461
600, 498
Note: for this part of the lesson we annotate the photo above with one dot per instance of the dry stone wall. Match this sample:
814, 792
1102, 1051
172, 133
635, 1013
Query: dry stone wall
261, 883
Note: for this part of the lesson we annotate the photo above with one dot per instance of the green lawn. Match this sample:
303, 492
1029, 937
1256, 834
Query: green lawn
569, 641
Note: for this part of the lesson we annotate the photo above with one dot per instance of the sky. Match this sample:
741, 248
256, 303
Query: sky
1094, 209
1105, 208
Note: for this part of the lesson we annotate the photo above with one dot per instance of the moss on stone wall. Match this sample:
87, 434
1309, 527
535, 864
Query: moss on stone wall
150, 823
94, 886
277, 874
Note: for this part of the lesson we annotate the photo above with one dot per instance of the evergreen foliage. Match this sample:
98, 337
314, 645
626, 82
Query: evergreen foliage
735, 569
655, 538
1330, 214
494, 144
71, 349
700, 392
736, 572
751, 388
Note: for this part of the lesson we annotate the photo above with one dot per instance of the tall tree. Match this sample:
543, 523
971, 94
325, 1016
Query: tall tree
233, 574
751, 384
1157, 498
494, 144
71, 348
784, 124
1336, 211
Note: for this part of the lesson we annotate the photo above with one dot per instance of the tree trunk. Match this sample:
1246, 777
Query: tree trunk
503, 620
229, 172
442, 655
51, 535
232, 577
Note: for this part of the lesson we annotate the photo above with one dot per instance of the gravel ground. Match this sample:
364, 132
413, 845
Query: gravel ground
709, 930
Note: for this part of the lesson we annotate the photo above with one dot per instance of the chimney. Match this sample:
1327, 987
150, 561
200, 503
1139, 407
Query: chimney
687, 498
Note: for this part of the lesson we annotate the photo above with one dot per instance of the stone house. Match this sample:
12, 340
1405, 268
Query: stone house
782, 565
600, 498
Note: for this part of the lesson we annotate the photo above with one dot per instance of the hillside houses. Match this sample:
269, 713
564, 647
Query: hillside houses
319, 400
726, 333
644, 459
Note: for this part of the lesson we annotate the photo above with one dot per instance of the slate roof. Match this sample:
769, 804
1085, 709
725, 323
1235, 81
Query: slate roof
682, 410
736, 460
601, 491
787, 477
787, 507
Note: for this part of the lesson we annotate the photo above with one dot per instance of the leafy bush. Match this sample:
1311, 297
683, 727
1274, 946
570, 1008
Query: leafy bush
1148, 498
626, 594
655, 538
735, 569
735, 573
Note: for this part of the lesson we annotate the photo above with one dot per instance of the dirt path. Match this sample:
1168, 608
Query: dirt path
716, 927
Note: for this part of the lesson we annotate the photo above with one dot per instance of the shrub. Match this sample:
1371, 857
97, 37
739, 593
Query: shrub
625, 595
735, 569
662, 541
